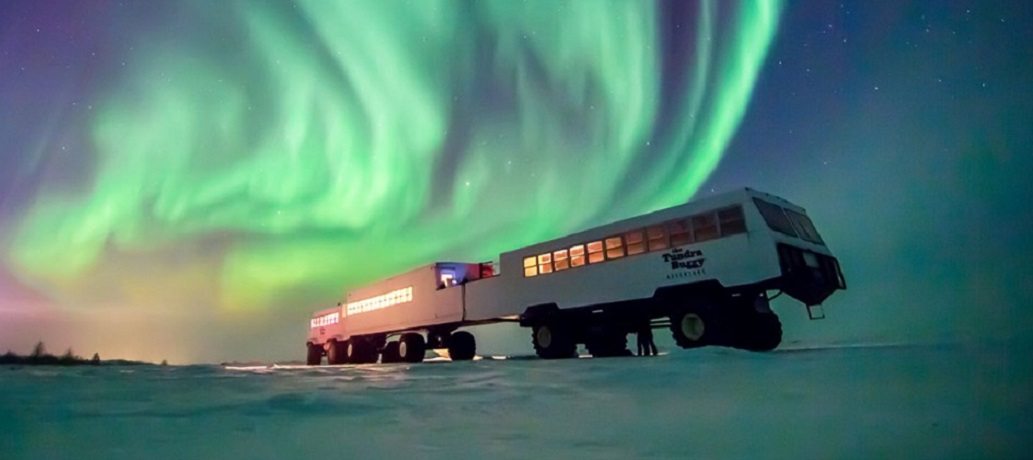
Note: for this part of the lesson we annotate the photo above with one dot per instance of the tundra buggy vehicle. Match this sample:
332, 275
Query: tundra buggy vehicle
704, 269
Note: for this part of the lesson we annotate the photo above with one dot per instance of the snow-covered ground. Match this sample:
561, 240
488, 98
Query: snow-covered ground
946, 401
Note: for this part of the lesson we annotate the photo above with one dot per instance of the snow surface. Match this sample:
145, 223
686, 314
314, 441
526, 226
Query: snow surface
945, 401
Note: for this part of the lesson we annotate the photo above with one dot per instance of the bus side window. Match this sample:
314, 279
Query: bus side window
545, 263
657, 237
595, 252
577, 255
704, 226
636, 242
614, 247
530, 268
681, 232
732, 221
559, 260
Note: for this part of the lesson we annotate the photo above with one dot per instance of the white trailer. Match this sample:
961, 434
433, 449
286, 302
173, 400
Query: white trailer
704, 269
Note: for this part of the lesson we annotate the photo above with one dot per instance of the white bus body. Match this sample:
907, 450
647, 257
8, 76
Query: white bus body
703, 268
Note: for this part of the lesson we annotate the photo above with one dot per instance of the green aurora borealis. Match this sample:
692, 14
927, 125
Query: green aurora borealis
305, 150
189, 180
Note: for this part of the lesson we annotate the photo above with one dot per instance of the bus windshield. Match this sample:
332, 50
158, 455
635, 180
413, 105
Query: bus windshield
788, 222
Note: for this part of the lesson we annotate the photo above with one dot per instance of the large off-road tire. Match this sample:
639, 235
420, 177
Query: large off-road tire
692, 328
336, 352
315, 355
759, 332
360, 351
412, 347
553, 342
461, 346
390, 353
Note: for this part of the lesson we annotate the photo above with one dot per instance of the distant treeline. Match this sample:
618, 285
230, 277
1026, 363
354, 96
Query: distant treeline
39, 356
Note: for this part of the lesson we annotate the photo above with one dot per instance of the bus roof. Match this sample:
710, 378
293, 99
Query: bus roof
729, 198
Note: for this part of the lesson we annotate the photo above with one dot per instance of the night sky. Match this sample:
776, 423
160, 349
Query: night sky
189, 180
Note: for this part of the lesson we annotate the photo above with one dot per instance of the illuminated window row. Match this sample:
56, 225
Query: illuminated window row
381, 301
325, 320
678, 232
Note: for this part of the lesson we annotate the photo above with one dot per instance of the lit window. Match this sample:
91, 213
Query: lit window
447, 279
732, 221
545, 263
595, 252
657, 237
560, 260
704, 226
680, 231
530, 268
373, 303
636, 242
577, 255
614, 248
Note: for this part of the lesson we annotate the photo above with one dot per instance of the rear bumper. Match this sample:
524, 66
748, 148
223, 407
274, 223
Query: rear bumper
808, 276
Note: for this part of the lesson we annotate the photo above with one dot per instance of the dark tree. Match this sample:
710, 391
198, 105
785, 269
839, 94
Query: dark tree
68, 357
95, 360
10, 358
39, 350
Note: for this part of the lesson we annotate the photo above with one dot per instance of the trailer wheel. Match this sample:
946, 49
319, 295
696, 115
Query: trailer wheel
315, 355
412, 347
552, 342
461, 346
690, 329
335, 352
361, 351
390, 353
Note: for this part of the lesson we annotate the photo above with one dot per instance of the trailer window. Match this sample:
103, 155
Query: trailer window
775, 218
530, 267
704, 226
732, 221
595, 252
560, 260
614, 248
577, 255
545, 263
680, 231
636, 242
657, 237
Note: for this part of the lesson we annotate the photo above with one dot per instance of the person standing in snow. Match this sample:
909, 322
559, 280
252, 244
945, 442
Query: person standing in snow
646, 346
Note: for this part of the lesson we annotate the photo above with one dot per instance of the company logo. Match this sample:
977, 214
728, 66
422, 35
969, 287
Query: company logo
685, 263
684, 259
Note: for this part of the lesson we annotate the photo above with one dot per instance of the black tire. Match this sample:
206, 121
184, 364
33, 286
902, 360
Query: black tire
315, 355
692, 328
553, 342
760, 332
336, 352
461, 346
412, 347
390, 353
361, 351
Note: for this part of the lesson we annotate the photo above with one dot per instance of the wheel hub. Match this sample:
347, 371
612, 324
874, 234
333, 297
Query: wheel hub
544, 337
692, 326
